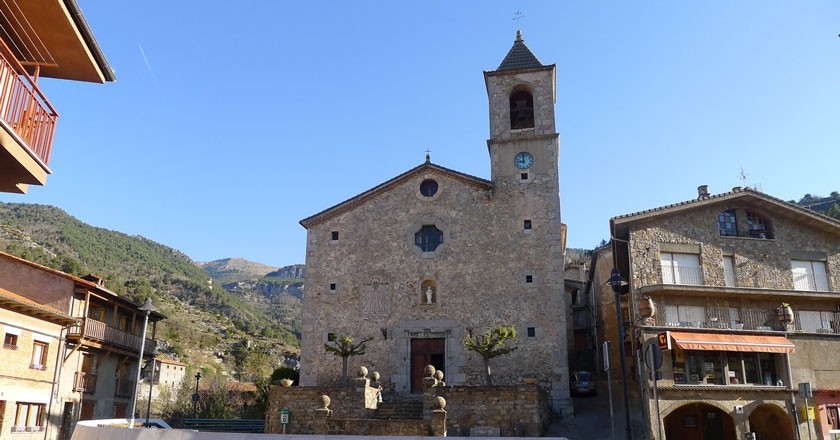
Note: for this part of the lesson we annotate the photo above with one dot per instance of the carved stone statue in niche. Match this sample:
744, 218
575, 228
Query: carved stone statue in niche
429, 293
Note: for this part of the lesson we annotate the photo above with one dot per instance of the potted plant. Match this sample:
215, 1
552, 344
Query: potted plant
784, 313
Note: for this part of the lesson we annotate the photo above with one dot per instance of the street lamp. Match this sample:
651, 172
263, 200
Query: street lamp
146, 308
151, 384
195, 395
616, 282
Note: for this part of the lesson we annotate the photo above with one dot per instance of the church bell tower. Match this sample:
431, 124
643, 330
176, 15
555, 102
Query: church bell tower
523, 140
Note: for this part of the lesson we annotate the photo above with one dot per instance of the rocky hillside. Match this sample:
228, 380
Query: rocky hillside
206, 321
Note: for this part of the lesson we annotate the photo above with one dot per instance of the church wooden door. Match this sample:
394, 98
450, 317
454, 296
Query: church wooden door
426, 352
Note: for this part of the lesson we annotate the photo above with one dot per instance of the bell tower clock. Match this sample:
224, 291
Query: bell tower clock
523, 140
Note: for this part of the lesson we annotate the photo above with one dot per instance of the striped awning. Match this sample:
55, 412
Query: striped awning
730, 342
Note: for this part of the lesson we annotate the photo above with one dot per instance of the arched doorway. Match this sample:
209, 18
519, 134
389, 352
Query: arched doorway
699, 421
770, 422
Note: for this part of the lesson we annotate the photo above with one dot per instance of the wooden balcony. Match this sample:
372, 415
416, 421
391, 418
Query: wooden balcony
27, 126
85, 382
99, 333
125, 388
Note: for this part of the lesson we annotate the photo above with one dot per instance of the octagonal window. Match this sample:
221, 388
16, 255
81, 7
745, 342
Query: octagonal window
428, 238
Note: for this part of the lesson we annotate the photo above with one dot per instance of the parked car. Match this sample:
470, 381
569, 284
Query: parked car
582, 383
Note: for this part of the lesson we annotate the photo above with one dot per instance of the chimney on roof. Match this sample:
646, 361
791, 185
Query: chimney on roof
94, 278
703, 192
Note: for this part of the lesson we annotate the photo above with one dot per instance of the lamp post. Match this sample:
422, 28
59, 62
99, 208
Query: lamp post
151, 384
146, 308
616, 282
195, 395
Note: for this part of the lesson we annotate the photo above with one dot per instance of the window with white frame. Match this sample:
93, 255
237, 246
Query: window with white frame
680, 268
729, 271
809, 275
818, 322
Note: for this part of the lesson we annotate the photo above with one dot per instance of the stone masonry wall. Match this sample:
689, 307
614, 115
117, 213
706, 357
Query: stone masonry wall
479, 273
520, 410
759, 263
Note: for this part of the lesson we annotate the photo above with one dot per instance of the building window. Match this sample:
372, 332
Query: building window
334, 236
28, 417
333, 286
680, 268
758, 226
428, 188
521, 110
833, 415
523, 176
330, 337
809, 275
724, 368
10, 341
428, 238
529, 279
39, 356
527, 224
532, 332
729, 271
727, 224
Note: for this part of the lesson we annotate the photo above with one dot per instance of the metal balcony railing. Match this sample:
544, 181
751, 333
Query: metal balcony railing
99, 331
683, 275
735, 318
811, 281
24, 108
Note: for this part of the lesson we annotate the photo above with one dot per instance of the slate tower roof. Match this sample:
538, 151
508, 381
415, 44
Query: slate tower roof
519, 57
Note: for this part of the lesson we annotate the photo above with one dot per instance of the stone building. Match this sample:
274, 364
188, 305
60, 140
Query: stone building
72, 337
739, 294
425, 258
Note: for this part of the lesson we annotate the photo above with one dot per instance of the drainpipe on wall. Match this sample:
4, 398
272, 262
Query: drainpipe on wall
792, 396
56, 385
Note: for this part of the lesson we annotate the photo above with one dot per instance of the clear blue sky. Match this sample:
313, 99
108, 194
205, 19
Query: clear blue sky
244, 118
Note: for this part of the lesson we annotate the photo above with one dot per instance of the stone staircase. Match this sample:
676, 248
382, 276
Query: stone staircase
403, 408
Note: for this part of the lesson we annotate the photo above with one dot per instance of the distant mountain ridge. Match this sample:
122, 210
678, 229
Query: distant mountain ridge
202, 314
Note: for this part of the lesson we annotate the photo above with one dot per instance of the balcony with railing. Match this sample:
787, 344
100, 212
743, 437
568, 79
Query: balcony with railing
741, 318
98, 331
28, 125
683, 275
85, 382
125, 388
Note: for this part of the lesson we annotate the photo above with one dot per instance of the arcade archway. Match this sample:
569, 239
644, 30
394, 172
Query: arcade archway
771, 423
699, 421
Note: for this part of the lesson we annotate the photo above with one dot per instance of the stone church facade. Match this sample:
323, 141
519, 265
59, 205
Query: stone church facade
423, 259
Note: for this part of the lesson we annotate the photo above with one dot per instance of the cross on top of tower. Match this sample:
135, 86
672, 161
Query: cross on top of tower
518, 16
428, 155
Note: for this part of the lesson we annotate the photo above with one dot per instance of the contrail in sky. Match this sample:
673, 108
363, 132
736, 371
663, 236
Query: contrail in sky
148, 66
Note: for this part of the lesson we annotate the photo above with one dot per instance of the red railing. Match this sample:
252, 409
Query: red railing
101, 332
23, 106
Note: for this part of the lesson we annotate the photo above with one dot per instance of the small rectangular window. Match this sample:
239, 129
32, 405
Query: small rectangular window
332, 287
10, 341
330, 337
532, 332
529, 278
527, 224
334, 235
523, 176
28, 417
39, 356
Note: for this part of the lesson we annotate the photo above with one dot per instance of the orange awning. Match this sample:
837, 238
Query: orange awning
730, 342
